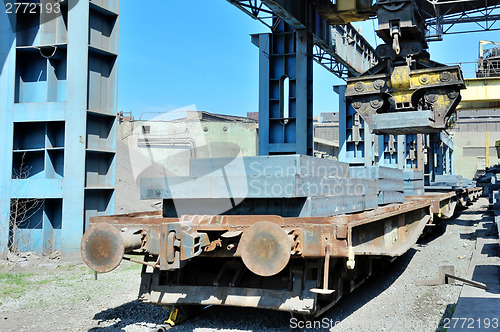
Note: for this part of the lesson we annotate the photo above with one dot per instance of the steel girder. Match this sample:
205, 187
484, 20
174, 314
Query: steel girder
357, 144
341, 49
453, 17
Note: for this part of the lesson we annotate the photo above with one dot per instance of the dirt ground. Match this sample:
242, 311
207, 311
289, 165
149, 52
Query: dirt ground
43, 294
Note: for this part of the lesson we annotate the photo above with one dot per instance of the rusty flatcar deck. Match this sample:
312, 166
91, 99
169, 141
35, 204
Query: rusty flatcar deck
296, 264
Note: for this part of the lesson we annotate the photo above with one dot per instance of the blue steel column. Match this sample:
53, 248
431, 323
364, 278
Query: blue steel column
340, 90
263, 41
285, 55
429, 163
392, 151
414, 159
357, 144
411, 159
438, 154
7, 72
447, 143
452, 161
446, 160
73, 203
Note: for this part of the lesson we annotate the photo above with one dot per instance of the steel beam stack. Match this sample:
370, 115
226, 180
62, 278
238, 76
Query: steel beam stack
450, 181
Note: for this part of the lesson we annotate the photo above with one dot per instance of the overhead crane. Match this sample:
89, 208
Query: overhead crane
396, 88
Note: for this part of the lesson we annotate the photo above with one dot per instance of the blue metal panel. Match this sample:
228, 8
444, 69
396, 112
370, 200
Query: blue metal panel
7, 74
414, 152
285, 66
447, 143
438, 154
52, 224
452, 161
357, 144
51, 95
38, 188
391, 150
72, 213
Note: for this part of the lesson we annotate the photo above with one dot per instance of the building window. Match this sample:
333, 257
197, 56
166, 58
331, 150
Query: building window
146, 129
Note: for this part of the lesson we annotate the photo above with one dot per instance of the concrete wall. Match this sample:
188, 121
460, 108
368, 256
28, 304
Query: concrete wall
173, 144
152, 149
477, 127
470, 151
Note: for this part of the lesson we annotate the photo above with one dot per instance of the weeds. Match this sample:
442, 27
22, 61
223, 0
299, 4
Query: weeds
15, 284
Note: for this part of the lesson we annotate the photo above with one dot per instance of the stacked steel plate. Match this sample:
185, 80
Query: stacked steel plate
451, 181
390, 182
285, 185
414, 183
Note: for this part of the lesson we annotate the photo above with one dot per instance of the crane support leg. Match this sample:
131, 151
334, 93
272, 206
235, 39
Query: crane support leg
285, 91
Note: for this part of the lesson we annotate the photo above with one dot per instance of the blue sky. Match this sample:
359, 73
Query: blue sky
179, 53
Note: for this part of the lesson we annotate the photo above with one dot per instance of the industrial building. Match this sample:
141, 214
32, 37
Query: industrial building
58, 95
326, 135
477, 126
167, 144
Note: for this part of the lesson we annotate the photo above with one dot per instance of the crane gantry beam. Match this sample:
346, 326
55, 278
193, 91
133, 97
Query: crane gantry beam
455, 17
341, 48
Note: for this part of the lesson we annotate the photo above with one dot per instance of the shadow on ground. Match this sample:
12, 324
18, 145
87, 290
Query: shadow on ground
250, 319
380, 281
134, 312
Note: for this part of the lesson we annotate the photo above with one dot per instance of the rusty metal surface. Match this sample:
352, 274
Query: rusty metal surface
178, 242
391, 236
267, 242
232, 296
239, 222
188, 254
265, 248
443, 204
102, 247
